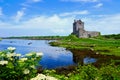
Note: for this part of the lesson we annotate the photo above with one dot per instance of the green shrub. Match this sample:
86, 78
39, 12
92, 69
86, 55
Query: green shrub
89, 72
110, 72
15, 66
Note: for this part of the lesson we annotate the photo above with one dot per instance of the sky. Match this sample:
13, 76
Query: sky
56, 17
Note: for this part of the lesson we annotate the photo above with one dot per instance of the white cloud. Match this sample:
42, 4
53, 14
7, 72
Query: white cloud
40, 25
108, 24
51, 21
84, 12
98, 5
4, 25
1, 12
36, 0
56, 25
80, 0
33, 1
25, 5
29, 2
19, 15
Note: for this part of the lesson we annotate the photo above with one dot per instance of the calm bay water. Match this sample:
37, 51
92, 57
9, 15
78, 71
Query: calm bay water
53, 57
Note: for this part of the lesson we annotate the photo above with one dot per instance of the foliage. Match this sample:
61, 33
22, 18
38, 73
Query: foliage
112, 36
15, 66
89, 72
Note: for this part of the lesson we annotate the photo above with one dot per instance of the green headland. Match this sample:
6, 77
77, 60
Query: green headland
106, 44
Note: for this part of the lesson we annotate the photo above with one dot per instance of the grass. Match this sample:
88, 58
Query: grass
100, 45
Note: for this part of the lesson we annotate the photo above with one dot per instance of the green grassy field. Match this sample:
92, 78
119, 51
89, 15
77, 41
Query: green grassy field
99, 45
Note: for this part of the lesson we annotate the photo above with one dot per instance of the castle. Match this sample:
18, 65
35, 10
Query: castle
79, 31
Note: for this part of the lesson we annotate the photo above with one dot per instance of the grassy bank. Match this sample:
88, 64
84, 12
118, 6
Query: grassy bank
100, 45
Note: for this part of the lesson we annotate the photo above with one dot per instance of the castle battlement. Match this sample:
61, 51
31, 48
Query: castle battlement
79, 31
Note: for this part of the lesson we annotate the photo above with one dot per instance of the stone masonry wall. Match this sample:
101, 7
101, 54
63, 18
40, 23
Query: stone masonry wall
78, 30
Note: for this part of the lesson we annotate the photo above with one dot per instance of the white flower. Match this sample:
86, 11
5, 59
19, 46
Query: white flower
10, 54
43, 77
26, 71
32, 66
18, 55
24, 59
50, 78
29, 54
3, 62
33, 59
13, 54
11, 48
39, 54
11, 59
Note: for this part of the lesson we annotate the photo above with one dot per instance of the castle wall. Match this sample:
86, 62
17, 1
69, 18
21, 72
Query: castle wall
78, 30
93, 33
82, 34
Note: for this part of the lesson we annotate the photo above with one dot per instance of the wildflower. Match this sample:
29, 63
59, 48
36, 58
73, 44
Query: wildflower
32, 66
39, 54
3, 62
26, 71
50, 78
43, 77
29, 54
33, 59
13, 54
10, 54
39, 77
23, 59
18, 55
11, 48
11, 59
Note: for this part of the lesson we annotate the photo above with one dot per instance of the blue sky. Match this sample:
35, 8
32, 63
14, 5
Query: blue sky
55, 17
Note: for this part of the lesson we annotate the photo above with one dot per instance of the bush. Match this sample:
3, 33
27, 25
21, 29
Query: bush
89, 72
110, 72
15, 66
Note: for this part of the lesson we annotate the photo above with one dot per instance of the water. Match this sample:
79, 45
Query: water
53, 57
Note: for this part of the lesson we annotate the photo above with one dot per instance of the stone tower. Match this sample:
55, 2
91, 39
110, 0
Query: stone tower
78, 27
79, 31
